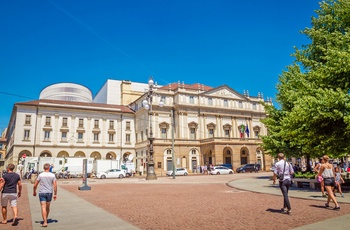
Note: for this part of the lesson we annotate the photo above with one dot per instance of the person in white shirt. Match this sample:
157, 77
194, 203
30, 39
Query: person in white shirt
48, 185
284, 171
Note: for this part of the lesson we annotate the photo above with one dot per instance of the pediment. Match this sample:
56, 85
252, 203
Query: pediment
225, 91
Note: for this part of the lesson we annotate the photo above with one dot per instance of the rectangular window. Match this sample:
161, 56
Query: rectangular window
128, 125
96, 137
96, 124
111, 124
210, 101
48, 121
47, 135
164, 136
136, 136
81, 123
163, 98
28, 119
225, 103
256, 134
65, 122
127, 138
191, 99
136, 107
111, 138
211, 132
254, 106
80, 137
240, 105
64, 136
192, 133
26, 135
227, 133
141, 135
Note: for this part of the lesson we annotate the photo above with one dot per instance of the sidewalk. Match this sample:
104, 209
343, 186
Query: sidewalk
72, 212
264, 185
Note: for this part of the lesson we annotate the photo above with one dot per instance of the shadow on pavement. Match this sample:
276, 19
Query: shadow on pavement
274, 210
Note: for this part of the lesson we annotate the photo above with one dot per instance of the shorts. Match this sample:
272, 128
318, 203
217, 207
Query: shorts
6, 197
329, 181
45, 197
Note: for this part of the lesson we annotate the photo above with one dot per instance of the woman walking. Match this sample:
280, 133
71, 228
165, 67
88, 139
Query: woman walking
328, 174
317, 169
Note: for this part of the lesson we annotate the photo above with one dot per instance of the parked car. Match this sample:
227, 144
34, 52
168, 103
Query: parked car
178, 172
226, 165
217, 170
247, 168
111, 173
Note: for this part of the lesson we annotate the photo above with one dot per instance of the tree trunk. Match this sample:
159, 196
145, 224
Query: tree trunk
308, 166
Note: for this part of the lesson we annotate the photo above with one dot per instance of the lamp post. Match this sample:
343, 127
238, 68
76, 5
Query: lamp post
147, 104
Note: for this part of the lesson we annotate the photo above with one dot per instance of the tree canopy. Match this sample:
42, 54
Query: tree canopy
313, 92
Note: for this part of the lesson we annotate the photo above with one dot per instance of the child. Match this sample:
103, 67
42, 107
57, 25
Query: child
338, 181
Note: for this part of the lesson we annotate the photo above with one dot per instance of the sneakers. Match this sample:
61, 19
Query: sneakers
342, 195
336, 208
286, 211
327, 205
324, 195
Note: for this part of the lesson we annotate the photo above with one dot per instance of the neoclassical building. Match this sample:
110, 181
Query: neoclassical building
207, 127
67, 121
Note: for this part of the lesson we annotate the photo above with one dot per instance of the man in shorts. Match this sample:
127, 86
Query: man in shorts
48, 185
11, 190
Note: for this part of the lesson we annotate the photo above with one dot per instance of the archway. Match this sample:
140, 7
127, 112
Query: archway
227, 156
127, 157
208, 158
96, 155
79, 154
111, 156
26, 152
244, 155
45, 153
63, 154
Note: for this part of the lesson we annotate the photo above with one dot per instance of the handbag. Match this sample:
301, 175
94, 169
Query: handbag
281, 176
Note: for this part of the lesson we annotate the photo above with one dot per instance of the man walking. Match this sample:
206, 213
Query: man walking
11, 186
48, 185
284, 171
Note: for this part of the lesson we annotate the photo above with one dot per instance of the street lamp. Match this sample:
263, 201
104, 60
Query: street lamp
147, 104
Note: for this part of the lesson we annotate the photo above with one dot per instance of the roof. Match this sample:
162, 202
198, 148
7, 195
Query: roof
75, 105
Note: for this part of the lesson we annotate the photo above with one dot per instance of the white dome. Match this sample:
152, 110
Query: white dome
66, 92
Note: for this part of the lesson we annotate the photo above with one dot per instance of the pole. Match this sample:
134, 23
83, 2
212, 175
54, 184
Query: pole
151, 175
172, 140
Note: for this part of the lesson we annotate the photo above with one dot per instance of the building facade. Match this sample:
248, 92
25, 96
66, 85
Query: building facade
207, 127
53, 128
211, 125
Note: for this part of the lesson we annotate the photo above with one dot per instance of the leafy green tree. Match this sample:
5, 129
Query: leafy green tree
313, 92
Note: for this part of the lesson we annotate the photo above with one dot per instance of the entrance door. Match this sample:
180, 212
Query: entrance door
227, 160
169, 164
194, 163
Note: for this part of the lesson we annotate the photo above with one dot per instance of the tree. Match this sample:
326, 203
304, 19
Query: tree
313, 91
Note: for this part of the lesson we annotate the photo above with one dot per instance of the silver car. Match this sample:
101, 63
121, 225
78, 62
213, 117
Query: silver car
112, 173
178, 172
217, 170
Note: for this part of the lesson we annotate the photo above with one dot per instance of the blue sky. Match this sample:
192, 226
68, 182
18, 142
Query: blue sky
243, 44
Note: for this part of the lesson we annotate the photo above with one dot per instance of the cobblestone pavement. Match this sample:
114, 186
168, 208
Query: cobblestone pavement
192, 202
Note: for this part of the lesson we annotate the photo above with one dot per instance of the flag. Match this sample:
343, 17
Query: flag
242, 131
247, 130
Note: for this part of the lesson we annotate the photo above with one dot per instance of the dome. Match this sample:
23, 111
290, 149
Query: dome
66, 92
